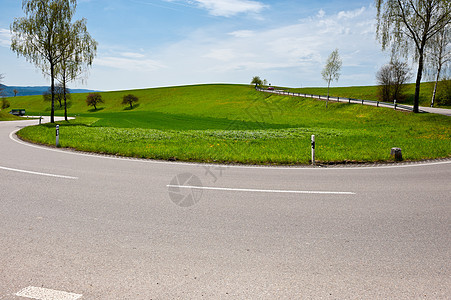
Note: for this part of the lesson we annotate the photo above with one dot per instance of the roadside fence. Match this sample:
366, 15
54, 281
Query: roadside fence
340, 99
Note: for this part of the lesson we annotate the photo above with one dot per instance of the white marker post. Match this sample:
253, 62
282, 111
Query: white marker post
57, 135
313, 149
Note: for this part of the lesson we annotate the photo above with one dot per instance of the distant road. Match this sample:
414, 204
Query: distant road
440, 111
79, 226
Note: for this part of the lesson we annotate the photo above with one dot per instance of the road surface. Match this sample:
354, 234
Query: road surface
77, 226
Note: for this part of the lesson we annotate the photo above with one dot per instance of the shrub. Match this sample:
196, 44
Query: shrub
444, 92
5, 103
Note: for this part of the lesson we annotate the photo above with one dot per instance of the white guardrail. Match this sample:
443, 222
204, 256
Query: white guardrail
340, 99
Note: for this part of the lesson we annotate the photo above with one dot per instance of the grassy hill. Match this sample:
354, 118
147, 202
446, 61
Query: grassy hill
5, 116
235, 123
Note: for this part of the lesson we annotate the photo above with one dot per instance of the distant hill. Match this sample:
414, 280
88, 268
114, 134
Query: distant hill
35, 90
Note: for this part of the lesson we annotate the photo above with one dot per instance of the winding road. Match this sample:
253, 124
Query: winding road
80, 226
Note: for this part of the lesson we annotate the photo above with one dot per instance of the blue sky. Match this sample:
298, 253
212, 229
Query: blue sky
151, 43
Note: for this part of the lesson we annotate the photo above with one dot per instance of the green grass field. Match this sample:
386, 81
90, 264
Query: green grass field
6, 116
235, 123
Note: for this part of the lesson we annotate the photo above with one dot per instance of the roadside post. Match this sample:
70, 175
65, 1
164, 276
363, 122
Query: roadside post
40, 118
394, 102
57, 135
313, 149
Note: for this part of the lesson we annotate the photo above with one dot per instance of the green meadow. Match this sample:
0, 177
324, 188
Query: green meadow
236, 124
6, 116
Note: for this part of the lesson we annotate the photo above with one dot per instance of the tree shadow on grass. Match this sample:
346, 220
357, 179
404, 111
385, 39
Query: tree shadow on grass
131, 108
96, 110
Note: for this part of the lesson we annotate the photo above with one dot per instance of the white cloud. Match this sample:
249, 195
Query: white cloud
285, 55
321, 13
127, 63
228, 8
133, 55
5, 37
351, 14
242, 33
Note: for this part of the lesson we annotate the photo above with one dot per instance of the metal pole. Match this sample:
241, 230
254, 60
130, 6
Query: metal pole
313, 149
57, 135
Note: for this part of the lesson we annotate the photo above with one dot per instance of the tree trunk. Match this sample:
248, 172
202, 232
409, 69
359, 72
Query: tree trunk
131, 105
416, 100
435, 86
65, 102
52, 89
328, 86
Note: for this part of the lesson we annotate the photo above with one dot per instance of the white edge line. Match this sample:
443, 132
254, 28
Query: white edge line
46, 294
307, 168
38, 173
258, 190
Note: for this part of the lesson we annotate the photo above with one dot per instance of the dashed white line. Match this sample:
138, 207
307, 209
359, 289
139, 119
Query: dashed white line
46, 294
38, 173
259, 190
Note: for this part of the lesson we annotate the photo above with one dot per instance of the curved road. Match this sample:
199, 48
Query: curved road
76, 226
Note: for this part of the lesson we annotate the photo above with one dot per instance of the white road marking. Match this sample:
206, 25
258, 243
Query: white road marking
46, 294
38, 173
306, 168
259, 191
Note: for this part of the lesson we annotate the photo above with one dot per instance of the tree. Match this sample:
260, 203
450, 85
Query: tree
77, 55
439, 57
331, 70
257, 81
384, 79
60, 94
392, 78
41, 36
407, 26
15, 92
93, 99
129, 99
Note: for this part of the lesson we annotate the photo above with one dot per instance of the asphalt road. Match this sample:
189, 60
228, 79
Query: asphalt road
103, 228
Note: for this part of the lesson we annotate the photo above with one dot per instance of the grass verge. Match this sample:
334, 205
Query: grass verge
252, 128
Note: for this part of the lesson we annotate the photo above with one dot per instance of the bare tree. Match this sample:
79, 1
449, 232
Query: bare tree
331, 70
392, 78
407, 26
384, 79
60, 94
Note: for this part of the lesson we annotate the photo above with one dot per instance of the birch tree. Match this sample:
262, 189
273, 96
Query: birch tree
331, 70
407, 27
41, 36
439, 57
77, 54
